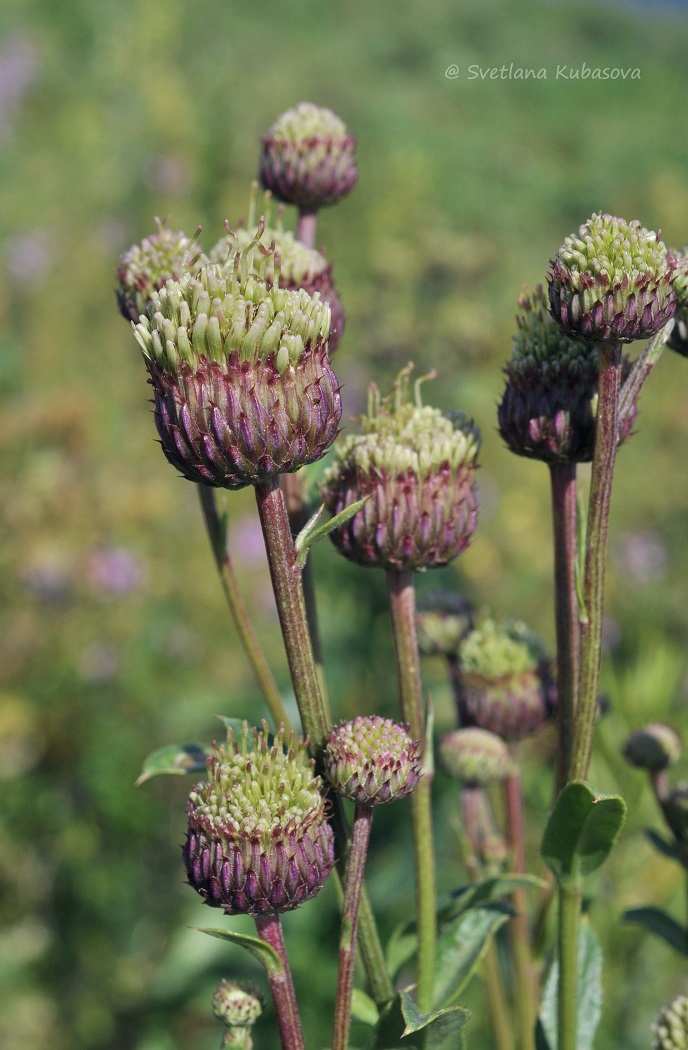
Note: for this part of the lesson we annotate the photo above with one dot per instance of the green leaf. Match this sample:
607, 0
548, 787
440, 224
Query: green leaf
261, 951
589, 995
488, 890
401, 947
460, 947
312, 532
363, 1008
581, 830
662, 925
442, 1028
175, 760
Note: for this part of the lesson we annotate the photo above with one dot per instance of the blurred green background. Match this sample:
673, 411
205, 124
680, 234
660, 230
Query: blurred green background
113, 634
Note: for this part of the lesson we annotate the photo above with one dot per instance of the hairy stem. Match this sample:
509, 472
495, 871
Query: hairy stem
291, 607
293, 486
242, 622
519, 936
353, 886
564, 512
570, 898
403, 608
502, 1027
269, 930
595, 556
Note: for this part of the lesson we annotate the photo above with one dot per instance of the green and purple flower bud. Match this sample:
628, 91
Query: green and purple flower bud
308, 158
164, 256
417, 465
654, 748
240, 370
443, 620
549, 405
238, 1005
258, 839
506, 679
613, 281
670, 1026
475, 757
372, 760
678, 337
299, 267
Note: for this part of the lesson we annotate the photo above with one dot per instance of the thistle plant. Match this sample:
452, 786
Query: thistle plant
237, 346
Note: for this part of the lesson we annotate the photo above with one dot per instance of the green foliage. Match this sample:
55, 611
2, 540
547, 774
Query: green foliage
656, 921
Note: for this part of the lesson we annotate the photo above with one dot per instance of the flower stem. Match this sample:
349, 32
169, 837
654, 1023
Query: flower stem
269, 930
230, 588
519, 937
353, 885
641, 370
287, 585
502, 1028
293, 486
306, 226
595, 556
564, 512
291, 607
403, 609
570, 899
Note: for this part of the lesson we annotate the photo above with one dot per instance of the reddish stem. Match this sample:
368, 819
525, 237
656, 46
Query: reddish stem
353, 886
269, 930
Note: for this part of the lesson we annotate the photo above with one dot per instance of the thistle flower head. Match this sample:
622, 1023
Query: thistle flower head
372, 760
670, 1026
505, 677
418, 466
475, 757
613, 281
549, 405
240, 370
308, 157
654, 748
237, 1004
291, 264
146, 267
443, 620
258, 840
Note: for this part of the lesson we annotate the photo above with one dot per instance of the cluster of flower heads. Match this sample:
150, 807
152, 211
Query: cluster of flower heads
259, 841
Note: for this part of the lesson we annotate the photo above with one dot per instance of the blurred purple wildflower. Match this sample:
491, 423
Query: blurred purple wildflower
18, 68
114, 571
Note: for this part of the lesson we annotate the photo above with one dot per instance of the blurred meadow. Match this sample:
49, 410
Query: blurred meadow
114, 638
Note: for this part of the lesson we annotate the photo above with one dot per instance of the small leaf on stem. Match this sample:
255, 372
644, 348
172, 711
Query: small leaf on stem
174, 760
261, 951
581, 831
312, 532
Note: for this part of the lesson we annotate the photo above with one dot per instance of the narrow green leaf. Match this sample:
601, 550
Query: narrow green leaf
460, 947
312, 532
363, 1008
488, 890
174, 760
261, 951
581, 830
662, 845
589, 995
661, 924
442, 1028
